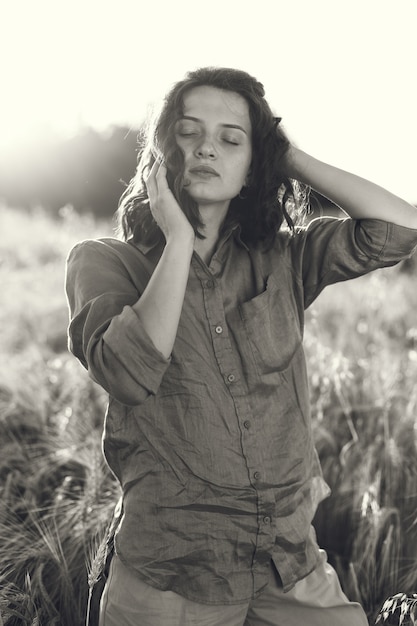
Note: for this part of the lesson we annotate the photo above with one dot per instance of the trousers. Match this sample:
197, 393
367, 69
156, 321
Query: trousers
317, 600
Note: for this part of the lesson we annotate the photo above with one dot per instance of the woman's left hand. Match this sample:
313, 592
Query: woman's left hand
294, 163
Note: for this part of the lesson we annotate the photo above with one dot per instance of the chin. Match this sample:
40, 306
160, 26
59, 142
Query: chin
208, 198
202, 198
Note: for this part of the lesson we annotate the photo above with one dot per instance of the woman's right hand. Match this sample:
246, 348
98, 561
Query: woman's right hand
160, 305
165, 209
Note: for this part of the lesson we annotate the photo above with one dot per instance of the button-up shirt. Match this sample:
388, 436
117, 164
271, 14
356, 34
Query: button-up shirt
213, 447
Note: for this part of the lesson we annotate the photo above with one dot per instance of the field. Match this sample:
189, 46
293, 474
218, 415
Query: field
57, 495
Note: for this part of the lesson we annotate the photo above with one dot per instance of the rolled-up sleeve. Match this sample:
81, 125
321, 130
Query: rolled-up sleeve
385, 242
105, 333
331, 250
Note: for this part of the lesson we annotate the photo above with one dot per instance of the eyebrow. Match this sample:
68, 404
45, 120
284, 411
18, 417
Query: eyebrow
196, 119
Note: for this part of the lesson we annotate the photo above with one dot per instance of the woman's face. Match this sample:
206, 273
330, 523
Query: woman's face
215, 137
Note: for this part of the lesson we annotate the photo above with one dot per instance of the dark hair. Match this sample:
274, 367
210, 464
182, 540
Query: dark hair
270, 199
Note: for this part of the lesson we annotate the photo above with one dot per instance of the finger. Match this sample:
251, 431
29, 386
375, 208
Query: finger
150, 180
161, 176
154, 169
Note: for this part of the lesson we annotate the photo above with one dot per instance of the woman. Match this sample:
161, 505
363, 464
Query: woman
193, 324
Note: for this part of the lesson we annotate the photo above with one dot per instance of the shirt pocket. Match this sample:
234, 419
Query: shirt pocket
272, 327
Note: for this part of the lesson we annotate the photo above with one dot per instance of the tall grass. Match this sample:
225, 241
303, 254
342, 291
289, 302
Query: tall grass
362, 351
57, 495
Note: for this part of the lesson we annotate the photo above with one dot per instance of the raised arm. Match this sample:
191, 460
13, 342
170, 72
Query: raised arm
160, 305
358, 197
123, 323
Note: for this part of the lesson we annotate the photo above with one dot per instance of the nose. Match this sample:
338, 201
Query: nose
205, 149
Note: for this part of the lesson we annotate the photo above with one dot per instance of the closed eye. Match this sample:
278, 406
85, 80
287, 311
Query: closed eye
187, 133
231, 139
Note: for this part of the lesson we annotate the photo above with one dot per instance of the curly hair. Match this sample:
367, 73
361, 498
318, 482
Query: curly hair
271, 199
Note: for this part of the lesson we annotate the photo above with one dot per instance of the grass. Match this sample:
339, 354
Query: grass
362, 352
57, 496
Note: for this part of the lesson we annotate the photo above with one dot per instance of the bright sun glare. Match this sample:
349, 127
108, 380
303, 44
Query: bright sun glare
340, 74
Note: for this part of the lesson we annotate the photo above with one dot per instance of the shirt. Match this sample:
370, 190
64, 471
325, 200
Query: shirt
213, 447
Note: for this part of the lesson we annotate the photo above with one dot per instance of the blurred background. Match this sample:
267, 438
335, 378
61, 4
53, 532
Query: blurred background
78, 80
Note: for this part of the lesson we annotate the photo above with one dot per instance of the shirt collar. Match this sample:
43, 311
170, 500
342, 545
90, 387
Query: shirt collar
233, 228
237, 233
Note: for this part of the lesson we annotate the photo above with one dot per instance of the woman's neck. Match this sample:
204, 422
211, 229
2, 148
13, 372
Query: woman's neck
212, 217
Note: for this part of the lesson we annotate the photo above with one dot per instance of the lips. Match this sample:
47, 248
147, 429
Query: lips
203, 170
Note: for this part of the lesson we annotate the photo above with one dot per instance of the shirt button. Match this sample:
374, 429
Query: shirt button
246, 424
267, 519
257, 475
209, 284
231, 378
219, 330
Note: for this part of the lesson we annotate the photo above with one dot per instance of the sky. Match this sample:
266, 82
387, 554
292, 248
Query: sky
341, 73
